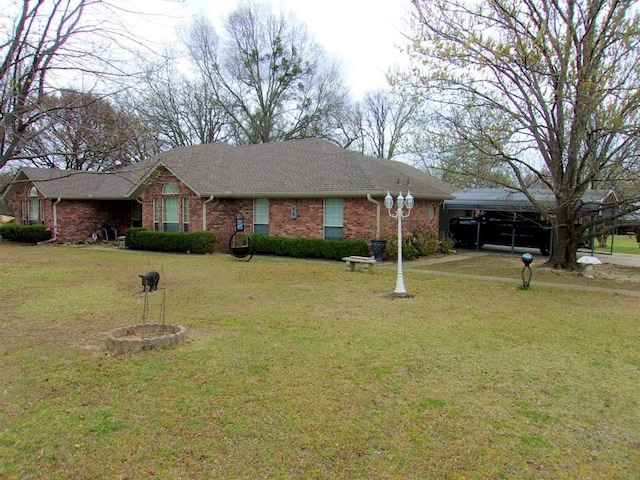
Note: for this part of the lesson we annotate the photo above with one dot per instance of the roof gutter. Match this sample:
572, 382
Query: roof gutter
377, 204
204, 212
55, 219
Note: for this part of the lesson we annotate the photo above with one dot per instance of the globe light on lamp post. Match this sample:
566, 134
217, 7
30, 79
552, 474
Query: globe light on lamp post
401, 203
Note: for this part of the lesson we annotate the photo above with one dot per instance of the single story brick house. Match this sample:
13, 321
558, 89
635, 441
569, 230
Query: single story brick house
298, 188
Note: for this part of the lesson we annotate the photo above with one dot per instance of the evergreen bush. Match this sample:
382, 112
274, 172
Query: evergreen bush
187, 242
25, 233
309, 247
419, 243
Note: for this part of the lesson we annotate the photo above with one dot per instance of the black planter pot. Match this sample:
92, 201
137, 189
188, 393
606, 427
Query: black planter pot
378, 247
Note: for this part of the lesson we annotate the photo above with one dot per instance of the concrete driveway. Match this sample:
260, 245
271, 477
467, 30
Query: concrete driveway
625, 259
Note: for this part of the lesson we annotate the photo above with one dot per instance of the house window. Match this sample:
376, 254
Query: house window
261, 216
35, 213
170, 188
185, 214
156, 214
170, 208
170, 214
333, 218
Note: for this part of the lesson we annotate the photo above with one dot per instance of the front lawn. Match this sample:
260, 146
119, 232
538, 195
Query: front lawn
302, 369
509, 266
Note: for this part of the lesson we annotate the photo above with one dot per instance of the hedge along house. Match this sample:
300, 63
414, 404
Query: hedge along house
299, 188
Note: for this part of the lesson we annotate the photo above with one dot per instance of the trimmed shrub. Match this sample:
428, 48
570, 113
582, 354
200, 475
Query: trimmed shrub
309, 247
192, 242
409, 250
446, 243
419, 243
25, 233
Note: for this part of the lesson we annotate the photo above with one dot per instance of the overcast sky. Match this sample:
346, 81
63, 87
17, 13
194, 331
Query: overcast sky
362, 34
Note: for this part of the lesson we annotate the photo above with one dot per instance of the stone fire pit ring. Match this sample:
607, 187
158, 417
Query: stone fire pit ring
144, 337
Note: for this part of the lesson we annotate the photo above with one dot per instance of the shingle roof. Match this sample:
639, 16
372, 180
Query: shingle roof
303, 168
300, 167
73, 184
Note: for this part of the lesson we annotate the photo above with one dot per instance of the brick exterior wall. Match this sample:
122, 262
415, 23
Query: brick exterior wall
359, 218
78, 219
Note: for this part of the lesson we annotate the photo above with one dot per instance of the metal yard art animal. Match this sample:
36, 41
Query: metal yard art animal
150, 279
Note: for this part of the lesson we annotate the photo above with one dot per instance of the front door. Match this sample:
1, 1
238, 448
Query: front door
136, 214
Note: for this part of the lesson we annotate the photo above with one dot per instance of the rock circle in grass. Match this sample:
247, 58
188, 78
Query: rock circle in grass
144, 337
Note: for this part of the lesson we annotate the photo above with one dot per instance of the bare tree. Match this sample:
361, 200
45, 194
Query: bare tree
387, 118
564, 77
182, 111
346, 127
141, 135
460, 160
6, 206
48, 44
272, 80
82, 131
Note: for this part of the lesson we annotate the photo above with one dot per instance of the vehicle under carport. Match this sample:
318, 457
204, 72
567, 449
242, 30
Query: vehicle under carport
503, 216
522, 229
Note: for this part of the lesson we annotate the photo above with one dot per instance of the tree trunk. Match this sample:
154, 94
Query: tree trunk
565, 242
602, 240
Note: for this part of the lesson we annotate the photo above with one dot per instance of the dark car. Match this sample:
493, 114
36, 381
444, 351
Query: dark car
502, 228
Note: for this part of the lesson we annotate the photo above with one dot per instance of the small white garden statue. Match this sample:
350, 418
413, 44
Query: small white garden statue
589, 262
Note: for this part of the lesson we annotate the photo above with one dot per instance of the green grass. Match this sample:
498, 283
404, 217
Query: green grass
622, 244
301, 369
508, 266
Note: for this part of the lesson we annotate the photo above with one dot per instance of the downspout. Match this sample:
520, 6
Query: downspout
377, 204
55, 220
204, 212
54, 231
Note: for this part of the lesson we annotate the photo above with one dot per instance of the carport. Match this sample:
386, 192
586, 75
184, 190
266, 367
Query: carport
471, 202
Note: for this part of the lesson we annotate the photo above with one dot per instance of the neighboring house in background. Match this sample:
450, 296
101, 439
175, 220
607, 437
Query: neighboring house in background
299, 188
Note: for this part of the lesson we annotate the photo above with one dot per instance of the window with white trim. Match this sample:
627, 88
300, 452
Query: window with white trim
170, 188
170, 207
35, 212
156, 214
333, 218
261, 216
170, 214
185, 214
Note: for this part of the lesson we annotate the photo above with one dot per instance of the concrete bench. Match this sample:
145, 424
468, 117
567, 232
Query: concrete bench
353, 260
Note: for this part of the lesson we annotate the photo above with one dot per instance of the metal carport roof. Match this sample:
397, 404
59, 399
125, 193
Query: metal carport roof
511, 200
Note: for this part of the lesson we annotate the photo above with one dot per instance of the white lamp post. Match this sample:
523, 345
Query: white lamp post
401, 202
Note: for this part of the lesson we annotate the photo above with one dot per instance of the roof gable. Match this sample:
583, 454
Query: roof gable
307, 167
73, 184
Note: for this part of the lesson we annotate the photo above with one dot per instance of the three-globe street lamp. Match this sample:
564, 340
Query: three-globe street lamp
401, 203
